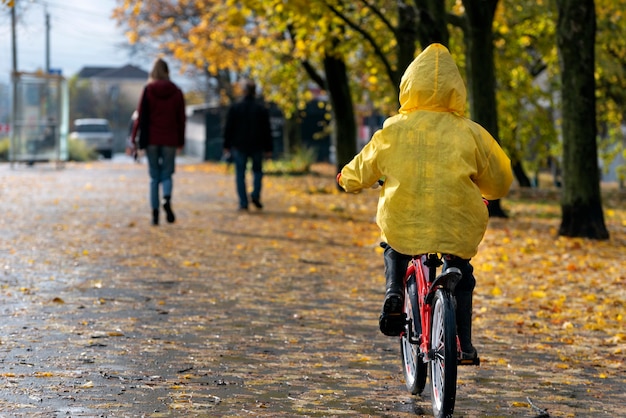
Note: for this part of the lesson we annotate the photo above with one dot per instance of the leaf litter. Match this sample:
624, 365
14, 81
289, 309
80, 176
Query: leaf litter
274, 313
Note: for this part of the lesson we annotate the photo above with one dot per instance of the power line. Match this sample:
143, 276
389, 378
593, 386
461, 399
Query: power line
63, 6
76, 33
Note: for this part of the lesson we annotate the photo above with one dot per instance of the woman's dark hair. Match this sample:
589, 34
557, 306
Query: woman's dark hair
160, 70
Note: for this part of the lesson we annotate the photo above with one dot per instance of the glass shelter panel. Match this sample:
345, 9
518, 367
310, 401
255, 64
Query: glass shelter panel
40, 118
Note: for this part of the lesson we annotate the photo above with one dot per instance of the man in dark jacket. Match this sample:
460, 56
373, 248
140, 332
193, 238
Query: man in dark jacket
247, 135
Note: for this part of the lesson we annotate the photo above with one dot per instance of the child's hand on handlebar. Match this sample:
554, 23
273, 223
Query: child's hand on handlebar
376, 185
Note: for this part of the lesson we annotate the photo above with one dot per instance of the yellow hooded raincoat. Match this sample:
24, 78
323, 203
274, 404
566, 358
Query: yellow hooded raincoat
436, 163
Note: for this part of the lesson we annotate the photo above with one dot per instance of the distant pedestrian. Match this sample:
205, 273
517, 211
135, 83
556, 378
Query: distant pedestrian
247, 136
161, 126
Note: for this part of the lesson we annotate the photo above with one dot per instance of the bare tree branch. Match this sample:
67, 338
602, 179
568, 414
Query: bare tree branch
377, 50
379, 14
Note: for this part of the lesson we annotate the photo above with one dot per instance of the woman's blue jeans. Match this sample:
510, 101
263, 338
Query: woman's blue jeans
241, 161
161, 163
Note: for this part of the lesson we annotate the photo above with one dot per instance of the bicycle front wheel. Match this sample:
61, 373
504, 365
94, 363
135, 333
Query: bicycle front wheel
413, 367
443, 366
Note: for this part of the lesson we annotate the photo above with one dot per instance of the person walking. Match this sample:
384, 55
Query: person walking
160, 125
437, 166
248, 136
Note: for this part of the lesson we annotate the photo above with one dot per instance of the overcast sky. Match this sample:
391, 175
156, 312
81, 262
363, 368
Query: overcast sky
82, 34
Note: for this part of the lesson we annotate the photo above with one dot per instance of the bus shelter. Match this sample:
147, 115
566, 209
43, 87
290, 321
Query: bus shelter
40, 118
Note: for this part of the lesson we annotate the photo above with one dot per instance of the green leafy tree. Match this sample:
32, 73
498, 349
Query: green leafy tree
83, 102
527, 70
611, 80
528, 76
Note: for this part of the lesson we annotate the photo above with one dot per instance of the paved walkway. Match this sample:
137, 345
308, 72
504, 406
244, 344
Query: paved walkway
105, 315
269, 313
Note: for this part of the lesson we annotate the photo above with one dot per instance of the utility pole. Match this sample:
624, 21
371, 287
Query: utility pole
47, 40
12, 144
13, 40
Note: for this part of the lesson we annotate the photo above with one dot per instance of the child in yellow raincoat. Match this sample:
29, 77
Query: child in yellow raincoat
437, 165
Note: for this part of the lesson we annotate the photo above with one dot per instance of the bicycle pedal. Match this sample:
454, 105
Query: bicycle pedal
394, 318
392, 324
469, 362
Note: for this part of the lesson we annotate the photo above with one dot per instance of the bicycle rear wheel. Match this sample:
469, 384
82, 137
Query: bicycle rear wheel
413, 367
443, 366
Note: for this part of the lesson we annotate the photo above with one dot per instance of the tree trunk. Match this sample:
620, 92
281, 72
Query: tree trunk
581, 203
481, 73
406, 37
433, 24
343, 110
292, 135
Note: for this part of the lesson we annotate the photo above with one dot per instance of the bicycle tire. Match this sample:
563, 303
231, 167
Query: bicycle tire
443, 365
413, 367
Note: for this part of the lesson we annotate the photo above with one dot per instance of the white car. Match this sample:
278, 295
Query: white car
96, 133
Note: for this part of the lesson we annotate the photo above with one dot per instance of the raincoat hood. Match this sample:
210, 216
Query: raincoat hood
441, 89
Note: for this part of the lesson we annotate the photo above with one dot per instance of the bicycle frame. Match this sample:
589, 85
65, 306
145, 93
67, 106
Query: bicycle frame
422, 277
424, 267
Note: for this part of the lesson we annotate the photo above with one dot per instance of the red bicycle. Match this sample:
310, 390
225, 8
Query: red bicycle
430, 342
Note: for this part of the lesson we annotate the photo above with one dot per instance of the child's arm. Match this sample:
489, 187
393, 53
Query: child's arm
362, 172
495, 176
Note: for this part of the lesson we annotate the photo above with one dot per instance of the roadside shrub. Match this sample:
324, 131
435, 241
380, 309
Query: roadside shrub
297, 163
79, 151
5, 143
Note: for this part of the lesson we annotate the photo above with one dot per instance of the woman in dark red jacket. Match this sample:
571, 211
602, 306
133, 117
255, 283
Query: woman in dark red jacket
161, 127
